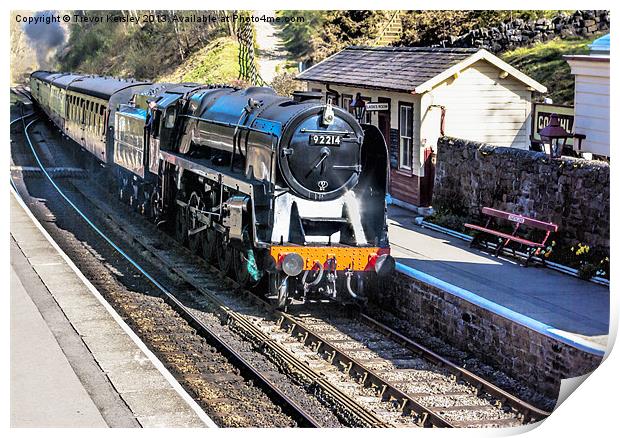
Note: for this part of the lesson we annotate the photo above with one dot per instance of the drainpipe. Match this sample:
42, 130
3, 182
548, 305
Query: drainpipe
332, 92
442, 121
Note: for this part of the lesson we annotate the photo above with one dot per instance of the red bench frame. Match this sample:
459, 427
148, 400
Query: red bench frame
518, 220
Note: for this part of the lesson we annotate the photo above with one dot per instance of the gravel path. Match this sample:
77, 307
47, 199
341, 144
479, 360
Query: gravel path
271, 51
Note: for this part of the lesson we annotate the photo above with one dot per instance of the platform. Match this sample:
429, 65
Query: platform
575, 309
74, 362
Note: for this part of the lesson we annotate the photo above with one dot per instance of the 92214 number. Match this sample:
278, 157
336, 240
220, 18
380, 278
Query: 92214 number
325, 139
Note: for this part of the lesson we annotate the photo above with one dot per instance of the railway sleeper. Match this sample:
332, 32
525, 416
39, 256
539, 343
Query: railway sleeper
306, 336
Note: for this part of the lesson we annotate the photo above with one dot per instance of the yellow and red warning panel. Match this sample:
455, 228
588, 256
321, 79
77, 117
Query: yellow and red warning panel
351, 258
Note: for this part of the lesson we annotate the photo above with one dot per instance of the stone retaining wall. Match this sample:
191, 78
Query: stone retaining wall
573, 193
518, 32
538, 361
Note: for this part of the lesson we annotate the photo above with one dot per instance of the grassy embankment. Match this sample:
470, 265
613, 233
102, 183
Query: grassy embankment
544, 62
215, 63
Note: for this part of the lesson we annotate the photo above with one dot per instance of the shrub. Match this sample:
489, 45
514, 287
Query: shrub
449, 220
285, 84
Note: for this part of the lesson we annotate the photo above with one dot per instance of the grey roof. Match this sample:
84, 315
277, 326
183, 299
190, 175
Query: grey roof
62, 80
391, 68
103, 87
98, 86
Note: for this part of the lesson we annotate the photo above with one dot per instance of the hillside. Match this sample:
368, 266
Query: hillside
208, 53
143, 50
215, 63
545, 63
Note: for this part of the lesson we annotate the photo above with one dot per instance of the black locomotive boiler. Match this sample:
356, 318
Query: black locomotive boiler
289, 193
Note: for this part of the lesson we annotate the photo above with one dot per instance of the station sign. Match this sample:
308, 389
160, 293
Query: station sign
377, 106
542, 114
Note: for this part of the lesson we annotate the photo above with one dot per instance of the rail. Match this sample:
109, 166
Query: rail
387, 391
289, 405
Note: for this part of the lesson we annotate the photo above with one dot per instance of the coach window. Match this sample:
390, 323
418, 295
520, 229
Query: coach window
405, 132
102, 119
97, 124
99, 118
346, 102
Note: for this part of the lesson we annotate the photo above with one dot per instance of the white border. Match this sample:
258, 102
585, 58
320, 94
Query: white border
591, 411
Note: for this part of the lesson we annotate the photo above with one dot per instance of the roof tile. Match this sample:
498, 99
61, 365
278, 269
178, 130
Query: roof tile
394, 68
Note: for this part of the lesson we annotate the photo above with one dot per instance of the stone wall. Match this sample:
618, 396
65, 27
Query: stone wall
518, 32
537, 361
571, 192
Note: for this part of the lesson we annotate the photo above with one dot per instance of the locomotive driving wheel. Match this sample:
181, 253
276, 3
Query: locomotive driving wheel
180, 225
224, 255
209, 245
194, 241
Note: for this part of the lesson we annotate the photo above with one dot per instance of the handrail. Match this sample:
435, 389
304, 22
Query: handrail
385, 28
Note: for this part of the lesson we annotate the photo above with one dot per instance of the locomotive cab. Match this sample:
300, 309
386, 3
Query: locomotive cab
163, 118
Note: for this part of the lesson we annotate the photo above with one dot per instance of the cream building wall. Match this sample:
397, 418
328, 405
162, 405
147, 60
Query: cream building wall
480, 104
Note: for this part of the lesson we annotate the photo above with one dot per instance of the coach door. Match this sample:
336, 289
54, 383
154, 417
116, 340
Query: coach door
129, 150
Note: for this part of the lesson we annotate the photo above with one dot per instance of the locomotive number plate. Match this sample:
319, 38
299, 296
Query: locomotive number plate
325, 139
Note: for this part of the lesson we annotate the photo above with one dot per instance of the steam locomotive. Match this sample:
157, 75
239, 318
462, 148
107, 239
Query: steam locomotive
285, 193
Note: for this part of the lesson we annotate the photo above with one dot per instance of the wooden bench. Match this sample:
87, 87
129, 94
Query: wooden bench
518, 221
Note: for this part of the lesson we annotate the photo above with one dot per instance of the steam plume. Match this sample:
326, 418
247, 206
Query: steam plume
44, 36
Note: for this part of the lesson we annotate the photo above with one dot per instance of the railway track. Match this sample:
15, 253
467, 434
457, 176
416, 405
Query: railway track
381, 366
370, 374
233, 389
